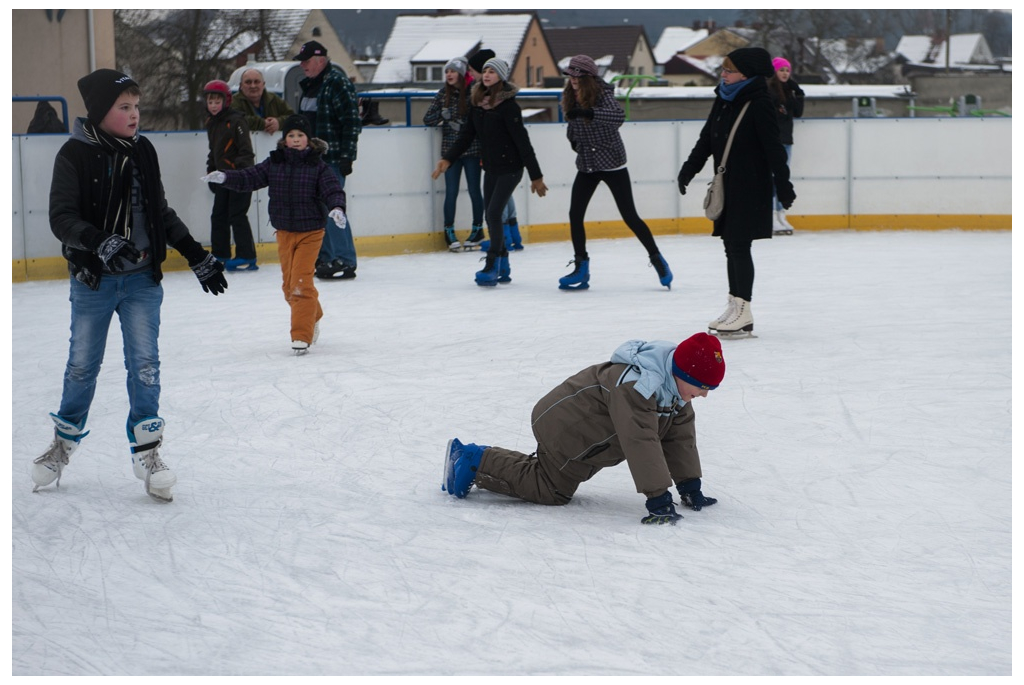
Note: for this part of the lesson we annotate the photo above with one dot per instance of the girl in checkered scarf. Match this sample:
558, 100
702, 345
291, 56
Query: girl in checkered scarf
594, 117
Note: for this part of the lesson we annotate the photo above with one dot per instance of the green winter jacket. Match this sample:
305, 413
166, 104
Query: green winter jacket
273, 106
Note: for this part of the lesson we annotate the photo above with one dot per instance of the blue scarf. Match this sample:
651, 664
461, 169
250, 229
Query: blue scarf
729, 91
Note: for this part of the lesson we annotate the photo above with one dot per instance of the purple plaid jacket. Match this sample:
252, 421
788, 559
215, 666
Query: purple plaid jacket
597, 141
302, 187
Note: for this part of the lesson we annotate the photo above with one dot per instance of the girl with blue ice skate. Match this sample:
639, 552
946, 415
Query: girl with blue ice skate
594, 117
496, 119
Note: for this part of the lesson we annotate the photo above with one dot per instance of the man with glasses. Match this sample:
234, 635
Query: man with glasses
263, 110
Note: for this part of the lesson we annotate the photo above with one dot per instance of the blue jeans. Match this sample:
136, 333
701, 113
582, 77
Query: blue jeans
789, 156
136, 298
509, 211
338, 243
471, 165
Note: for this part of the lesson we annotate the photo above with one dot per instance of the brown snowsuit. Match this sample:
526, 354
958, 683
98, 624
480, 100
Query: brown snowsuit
596, 419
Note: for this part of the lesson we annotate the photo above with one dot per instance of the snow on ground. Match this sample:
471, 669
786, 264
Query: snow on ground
860, 450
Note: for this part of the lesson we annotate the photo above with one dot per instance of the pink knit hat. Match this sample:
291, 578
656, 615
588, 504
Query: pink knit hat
781, 63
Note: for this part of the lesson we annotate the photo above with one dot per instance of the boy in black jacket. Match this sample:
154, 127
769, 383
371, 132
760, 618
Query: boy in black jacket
107, 208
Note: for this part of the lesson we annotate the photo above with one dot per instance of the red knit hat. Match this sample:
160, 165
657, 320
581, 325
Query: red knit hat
698, 361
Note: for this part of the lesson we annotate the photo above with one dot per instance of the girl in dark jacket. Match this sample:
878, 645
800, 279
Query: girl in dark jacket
496, 119
756, 162
789, 102
301, 188
594, 119
449, 110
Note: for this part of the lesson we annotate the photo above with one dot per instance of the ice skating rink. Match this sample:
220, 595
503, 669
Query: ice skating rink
860, 450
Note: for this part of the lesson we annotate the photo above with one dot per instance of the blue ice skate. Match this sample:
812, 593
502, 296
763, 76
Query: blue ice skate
241, 265
579, 279
460, 465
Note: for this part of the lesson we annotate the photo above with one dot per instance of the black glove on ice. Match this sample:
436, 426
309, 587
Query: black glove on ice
114, 251
345, 166
689, 491
682, 181
210, 272
662, 510
786, 195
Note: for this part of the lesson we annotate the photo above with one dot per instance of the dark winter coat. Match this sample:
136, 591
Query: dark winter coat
337, 113
230, 144
504, 142
79, 193
302, 188
789, 108
451, 125
596, 140
756, 161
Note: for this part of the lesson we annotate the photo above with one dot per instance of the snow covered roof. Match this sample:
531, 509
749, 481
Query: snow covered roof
964, 48
414, 36
849, 56
675, 39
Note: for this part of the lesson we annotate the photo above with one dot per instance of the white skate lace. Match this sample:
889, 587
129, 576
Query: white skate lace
153, 462
54, 458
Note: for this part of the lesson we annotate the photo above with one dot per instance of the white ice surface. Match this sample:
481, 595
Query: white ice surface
860, 449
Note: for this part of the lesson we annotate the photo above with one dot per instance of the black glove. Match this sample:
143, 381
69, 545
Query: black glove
574, 146
577, 111
662, 510
114, 251
210, 272
345, 166
689, 491
682, 181
786, 195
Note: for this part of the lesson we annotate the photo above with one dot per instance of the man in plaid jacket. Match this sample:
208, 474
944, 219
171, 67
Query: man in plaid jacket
330, 103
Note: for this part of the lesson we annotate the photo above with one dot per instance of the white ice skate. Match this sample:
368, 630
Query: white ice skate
146, 461
781, 225
740, 323
300, 347
725, 316
49, 467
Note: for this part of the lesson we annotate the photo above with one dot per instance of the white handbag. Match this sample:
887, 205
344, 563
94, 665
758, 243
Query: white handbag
714, 201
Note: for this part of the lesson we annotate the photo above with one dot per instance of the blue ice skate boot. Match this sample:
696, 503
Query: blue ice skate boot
460, 465
513, 239
579, 279
488, 276
241, 265
504, 270
450, 240
661, 266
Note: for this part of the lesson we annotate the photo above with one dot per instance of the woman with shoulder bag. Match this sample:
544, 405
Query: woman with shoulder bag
756, 163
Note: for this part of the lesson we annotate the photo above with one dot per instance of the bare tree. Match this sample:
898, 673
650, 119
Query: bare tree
174, 53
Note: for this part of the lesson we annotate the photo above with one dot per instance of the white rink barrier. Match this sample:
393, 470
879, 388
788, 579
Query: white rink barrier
848, 173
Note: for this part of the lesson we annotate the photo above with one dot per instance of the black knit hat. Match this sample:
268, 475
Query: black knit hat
100, 91
753, 62
296, 122
476, 62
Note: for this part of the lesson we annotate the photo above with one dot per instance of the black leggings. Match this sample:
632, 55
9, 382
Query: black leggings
498, 189
739, 263
618, 182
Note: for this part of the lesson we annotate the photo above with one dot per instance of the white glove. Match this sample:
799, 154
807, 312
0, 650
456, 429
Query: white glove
338, 217
214, 177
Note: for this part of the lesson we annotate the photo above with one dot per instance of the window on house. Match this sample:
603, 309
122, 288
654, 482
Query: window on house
540, 75
428, 73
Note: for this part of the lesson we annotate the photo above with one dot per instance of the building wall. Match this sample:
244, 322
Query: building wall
49, 55
533, 55
642, 59
329, 39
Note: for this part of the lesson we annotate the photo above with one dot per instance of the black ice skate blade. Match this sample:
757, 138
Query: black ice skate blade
581, 286
162, 495
731, 335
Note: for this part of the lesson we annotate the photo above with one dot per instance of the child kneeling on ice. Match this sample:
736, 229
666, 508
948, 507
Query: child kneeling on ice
301, 186
636, 408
